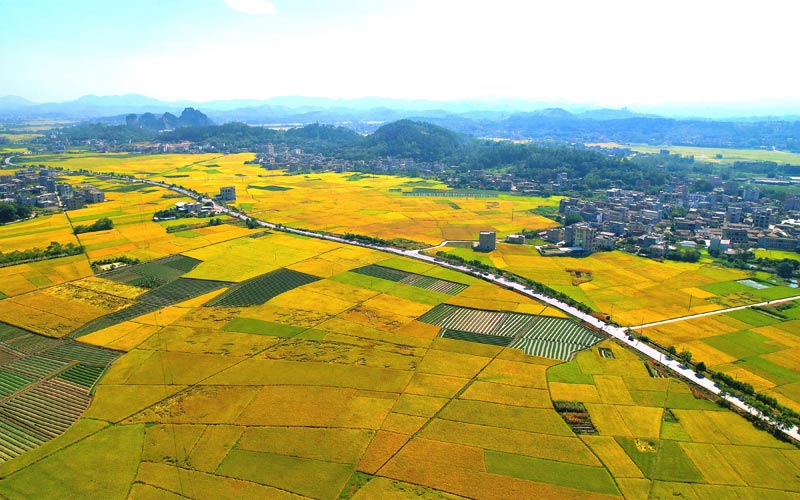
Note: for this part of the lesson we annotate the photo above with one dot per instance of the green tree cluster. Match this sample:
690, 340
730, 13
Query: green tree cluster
102, 224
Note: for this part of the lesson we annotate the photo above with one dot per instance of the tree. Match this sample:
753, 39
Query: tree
672, 350
7, 212
102, 224
785, 269
13, 211
700, 367
573, 218
685, 356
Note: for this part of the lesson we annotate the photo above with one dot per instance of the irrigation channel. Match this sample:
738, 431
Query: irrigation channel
619, 333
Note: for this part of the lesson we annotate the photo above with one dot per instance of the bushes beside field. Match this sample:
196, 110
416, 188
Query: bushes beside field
52, 251
102, 224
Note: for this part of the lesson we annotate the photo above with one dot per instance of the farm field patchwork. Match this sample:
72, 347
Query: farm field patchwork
368, 402
348, 382
369, 204
632, 290
758, 346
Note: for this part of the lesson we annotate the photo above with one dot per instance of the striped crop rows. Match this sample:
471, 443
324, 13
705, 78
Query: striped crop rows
415, 280
45, 385
546, 348
260, 289
556, 338
175, 291
49, 409
16, 439
11, 382
83, 352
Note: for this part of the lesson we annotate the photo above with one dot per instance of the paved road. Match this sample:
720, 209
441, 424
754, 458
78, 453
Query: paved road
619, 333
720, 311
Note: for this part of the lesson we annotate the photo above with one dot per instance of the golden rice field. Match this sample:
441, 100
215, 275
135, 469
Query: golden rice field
632, 290
334, 390
37, 232
364, 204
135, 235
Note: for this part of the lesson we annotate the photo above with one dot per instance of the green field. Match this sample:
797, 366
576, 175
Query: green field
727, 155
249, 325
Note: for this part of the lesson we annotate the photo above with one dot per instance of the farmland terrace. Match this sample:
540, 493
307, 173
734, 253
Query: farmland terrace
258, 363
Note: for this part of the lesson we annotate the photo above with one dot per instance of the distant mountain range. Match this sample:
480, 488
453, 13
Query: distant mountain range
296, 109
500, 119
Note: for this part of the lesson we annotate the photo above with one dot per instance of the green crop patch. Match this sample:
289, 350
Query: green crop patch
642, 452
753, 317
539, 470
769, 370
9, 332
262, 288
258, 327
312, 478
81, 374
568, 373
674, 465
11, 382
744, 344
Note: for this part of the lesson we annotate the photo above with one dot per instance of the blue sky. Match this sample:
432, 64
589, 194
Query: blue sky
612, 52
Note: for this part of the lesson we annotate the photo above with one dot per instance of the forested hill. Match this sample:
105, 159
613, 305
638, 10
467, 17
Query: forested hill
419, 140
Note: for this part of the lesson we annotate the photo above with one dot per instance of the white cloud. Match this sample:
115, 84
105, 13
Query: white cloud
257, 7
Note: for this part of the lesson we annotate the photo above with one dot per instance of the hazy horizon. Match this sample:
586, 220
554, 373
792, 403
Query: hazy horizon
612, 54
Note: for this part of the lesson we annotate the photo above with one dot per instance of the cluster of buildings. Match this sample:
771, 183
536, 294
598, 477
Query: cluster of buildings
723, 220
40, 189
186, 209
283, 157
482, 179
